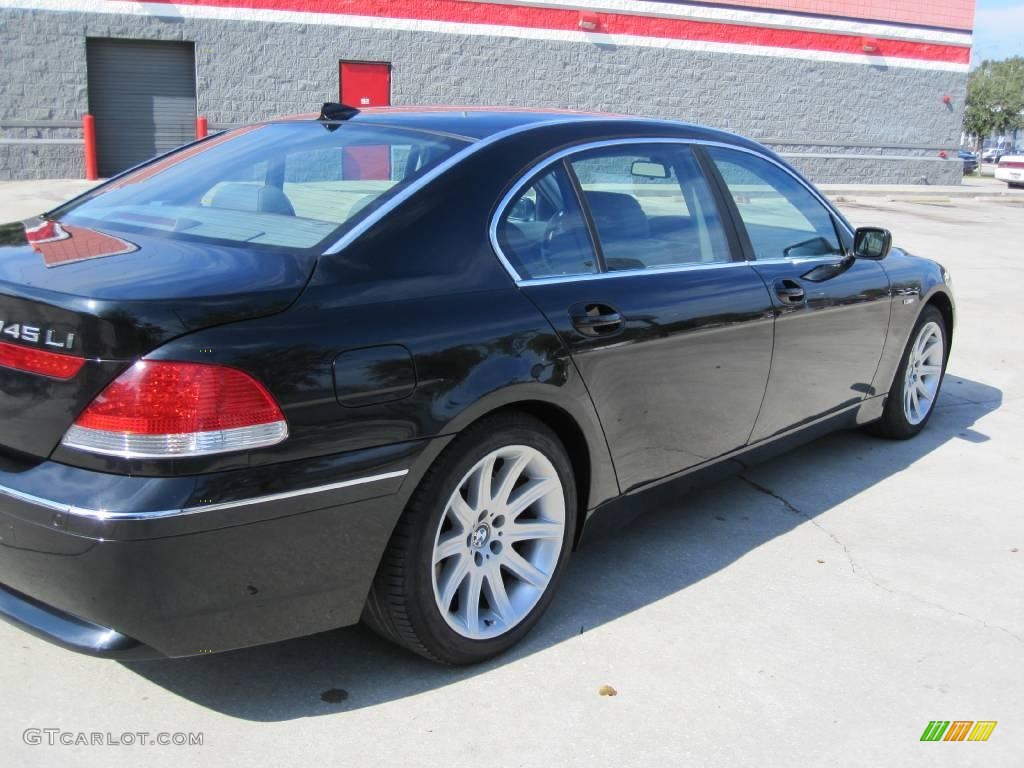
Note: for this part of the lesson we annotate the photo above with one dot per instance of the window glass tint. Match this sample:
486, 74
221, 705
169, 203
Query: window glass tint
543, 232
282, 184
652, 207
781, 216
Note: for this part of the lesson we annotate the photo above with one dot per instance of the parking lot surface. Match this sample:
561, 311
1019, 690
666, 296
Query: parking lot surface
819, 610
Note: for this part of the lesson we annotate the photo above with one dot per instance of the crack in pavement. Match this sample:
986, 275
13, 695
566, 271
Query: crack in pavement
788, 505
862, 572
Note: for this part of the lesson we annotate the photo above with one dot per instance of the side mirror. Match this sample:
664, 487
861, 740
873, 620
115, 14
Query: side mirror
871, 243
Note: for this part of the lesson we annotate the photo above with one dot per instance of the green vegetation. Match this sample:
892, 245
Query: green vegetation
995, 97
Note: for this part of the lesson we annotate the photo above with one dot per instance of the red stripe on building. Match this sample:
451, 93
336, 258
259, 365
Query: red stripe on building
456, 11
950, 14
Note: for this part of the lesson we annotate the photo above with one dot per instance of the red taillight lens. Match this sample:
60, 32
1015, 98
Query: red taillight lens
163, 409
39, 361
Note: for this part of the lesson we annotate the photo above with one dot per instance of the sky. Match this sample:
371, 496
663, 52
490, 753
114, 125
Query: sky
998, 30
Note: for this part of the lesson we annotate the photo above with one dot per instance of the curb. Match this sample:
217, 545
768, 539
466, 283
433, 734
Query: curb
943, 198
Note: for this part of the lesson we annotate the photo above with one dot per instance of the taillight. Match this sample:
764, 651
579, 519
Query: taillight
39, 361
160, 409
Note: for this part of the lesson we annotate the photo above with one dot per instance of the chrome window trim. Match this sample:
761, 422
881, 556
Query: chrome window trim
831, 258
553, 279
550, 160
443, 168
795, 261
102, 514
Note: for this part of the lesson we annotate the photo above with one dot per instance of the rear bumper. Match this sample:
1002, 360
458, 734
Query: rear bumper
70, 631
1010, 175
136, 567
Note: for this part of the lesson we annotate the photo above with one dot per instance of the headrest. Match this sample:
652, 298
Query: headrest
256, 198
618, 215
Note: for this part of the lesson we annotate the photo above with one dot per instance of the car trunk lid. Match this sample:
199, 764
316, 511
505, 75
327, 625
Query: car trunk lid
110, 298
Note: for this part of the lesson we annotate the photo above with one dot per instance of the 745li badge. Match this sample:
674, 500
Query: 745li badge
37, 335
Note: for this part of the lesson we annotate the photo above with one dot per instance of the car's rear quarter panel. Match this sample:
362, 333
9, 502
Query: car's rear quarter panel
426, 279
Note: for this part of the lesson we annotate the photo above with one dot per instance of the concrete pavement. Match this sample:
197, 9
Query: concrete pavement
21, 199
976, 187
819, 611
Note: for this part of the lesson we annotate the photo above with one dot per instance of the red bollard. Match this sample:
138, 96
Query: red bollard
89, 135
201, 127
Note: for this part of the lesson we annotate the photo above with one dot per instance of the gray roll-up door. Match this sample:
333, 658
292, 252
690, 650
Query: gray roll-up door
143, 96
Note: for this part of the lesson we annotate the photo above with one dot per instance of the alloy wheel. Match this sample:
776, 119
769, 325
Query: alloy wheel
498, 542
924, 373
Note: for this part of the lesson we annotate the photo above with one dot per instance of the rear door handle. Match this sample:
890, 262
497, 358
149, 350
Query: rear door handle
789, 291
593, 319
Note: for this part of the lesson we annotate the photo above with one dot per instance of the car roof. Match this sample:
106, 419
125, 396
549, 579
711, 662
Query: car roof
477, 123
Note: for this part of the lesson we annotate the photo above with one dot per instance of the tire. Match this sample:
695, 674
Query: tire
436, 558
900, 419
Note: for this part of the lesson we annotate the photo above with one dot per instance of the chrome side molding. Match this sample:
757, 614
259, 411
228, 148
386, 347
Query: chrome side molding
102, 514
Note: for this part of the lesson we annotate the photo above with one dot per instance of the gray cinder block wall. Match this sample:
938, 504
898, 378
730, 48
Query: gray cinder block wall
837, 122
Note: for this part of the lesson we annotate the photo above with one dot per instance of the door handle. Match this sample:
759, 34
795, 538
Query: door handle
789, 291
593, 319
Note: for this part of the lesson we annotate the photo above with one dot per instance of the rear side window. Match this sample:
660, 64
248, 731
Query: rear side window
290, 185
782, 218
651, 206
543, 232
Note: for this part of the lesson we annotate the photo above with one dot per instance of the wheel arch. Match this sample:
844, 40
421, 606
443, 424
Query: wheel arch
942, 302
570, 415
571, 435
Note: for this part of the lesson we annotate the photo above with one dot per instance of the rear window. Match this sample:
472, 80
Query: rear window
290, 185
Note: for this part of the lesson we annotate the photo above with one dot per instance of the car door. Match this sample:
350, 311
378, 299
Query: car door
623, 248
832, 310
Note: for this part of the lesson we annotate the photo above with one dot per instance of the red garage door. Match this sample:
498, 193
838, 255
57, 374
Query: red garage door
365, 84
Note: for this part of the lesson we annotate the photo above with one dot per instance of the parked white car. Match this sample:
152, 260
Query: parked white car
992, 154
1011, 170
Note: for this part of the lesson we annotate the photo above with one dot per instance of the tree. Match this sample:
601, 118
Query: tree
995, 97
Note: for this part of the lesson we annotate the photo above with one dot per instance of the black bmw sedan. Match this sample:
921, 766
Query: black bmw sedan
387, 365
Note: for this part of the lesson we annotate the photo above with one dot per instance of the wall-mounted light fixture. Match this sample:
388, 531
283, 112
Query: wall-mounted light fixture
869, 45
589, 22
